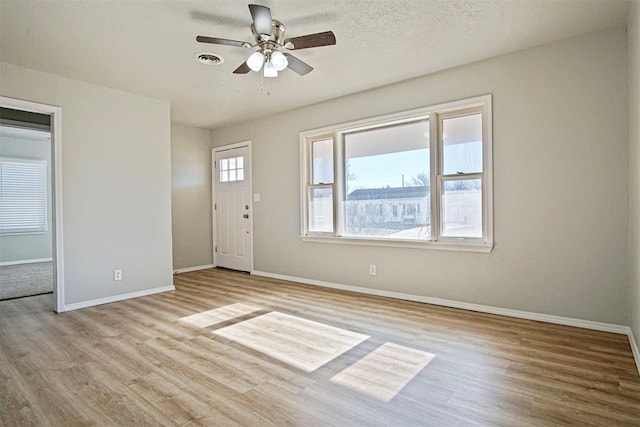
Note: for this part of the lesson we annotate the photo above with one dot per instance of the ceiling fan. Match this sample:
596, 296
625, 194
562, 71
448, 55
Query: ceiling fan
269, 39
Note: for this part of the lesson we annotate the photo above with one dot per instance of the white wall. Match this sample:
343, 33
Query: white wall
24, 247
634, 165
191, 196
116, 183
560, 172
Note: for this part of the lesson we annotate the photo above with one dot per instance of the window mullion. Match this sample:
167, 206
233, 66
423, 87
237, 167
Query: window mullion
339, 184
434, 172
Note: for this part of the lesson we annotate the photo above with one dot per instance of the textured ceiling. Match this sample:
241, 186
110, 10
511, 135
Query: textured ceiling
147, 47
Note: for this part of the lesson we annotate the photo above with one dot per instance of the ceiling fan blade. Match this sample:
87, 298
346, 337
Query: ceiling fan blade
242, 69
326, 38
227, 42
262, 20
297, 65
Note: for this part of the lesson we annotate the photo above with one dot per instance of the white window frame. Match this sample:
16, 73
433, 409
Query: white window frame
42, 226
435, 114
311, 186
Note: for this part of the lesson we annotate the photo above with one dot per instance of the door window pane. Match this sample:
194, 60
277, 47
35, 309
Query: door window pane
462, 208
321, 210
462, 144
386, 168
232, 169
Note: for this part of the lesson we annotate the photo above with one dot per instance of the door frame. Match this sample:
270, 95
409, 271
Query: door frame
56, 153
214, 234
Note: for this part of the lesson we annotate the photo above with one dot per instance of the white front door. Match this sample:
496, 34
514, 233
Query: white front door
232, 209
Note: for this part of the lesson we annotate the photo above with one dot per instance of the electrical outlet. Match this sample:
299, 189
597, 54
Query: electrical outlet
117, 275
372, 270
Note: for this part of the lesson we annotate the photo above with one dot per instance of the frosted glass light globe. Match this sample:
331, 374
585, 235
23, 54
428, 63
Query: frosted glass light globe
279, 61
255, 61
269, 70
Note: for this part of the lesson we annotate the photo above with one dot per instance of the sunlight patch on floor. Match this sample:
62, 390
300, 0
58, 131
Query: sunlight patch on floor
384, 372
301, 343
219, 315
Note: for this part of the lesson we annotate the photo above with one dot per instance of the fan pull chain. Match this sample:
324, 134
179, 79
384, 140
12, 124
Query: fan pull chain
262, 85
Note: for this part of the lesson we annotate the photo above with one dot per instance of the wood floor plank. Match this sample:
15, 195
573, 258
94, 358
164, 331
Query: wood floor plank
156, 360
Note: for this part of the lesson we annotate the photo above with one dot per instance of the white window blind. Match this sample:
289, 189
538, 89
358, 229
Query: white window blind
23, 196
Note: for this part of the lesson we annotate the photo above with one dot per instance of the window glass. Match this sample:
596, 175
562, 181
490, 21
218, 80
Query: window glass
321, 210
462, 208
386, 167
232, 169
322, 158
462, 144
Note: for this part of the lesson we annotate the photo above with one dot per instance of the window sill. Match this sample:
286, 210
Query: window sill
363, 241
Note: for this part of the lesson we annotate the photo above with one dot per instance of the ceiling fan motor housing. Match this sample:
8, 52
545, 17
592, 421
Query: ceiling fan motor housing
277, 33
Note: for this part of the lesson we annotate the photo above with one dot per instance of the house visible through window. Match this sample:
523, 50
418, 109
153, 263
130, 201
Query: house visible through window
421, 176
383, 167
23, 196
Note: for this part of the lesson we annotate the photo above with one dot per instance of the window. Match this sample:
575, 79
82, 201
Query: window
420, 178
232, 169
23, 196
321, 187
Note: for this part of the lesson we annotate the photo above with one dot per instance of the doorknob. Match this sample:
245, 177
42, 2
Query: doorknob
245, 216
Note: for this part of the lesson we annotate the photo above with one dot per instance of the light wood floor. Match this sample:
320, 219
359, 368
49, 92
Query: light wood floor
136, 363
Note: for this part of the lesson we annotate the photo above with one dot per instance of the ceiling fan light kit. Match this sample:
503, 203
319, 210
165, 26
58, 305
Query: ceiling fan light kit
270, 63
269, 39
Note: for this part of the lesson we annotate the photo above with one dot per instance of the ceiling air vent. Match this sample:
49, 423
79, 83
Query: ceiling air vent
208, 58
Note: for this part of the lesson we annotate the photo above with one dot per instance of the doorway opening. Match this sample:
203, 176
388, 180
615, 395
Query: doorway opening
31, 261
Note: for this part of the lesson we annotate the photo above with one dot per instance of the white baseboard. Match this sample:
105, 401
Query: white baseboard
634, 350
25, 261
196, 268
568, 321
107, 300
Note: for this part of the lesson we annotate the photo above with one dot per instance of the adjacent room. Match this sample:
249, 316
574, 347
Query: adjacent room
381, 212
26, 236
